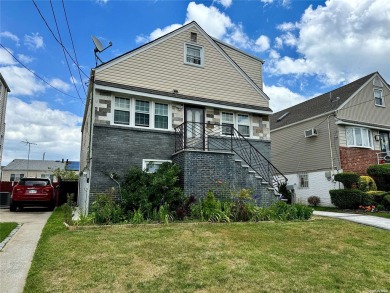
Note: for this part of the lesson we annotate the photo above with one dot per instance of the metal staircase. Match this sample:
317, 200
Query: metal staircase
215, 137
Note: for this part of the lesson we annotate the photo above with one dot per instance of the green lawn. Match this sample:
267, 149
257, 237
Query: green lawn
6, 228
322, 255
382, 214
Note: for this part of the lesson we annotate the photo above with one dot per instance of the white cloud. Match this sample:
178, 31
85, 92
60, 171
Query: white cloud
101, 2
160, 32
33, 41
6, 58
287, 26
10, 36
25, 59
21, 81
284, 3
281, 97
263, 43
339, 41
73, 80
225, 3
62, 85
38, 123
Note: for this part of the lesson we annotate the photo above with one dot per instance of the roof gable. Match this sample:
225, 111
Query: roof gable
172, 34
319, 105
34, 165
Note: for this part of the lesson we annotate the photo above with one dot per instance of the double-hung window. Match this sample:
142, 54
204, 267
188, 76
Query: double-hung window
142, 113
378, 97
161, 116
122, 111
243, 124
193, 55
227, 123
358, 137
303, 180
16, 177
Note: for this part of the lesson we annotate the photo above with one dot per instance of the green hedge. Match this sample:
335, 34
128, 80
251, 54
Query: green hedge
349, 198
381, 175
347, 178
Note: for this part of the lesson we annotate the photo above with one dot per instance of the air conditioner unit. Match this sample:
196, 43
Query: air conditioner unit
311, 132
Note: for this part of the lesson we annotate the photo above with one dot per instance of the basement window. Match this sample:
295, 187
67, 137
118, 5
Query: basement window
151, 166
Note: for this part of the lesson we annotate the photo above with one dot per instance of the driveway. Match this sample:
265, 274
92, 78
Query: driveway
17, 254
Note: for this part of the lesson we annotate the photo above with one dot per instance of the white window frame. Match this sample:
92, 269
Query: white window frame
305, 182
381, 97
152, 104
155, 114
227, 123
142, 112
366, 138
249, 124
145, 163
186, 45
122, 109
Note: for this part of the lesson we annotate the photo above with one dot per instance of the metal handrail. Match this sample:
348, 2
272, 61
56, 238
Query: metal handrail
216, 137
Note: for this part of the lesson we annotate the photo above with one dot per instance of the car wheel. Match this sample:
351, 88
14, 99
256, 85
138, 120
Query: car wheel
12, 207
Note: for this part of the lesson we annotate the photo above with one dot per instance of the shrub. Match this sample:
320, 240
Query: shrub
368, 199
313, 200
378, 196
381, 175
146, 192
347, 178
366, 183
243, 205
386, 202
346, 198
283, 212
282, 189
210, 209
106, 211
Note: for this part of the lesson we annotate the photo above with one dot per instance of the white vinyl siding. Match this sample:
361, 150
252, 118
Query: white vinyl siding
358, 137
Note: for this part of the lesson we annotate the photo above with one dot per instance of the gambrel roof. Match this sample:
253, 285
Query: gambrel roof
319, 105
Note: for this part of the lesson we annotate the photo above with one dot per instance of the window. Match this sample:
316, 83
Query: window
16, 177
122, 111
243, 124
303, 180
141, 113
378, 97
161, 116
194, 37
358, 137
227, 123
152, 166
193, 55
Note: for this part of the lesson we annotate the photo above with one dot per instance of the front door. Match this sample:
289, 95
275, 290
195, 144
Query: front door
385, 144
194, 134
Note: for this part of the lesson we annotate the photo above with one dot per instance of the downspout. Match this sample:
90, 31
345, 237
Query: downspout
92, 81
330, 145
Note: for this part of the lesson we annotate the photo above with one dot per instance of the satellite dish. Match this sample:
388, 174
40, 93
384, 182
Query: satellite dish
99, 48
98, 44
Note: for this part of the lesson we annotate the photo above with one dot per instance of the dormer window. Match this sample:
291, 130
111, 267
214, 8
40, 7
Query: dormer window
193, 55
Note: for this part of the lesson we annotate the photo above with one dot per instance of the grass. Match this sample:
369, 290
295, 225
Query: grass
6, 228
382, 214
322, 255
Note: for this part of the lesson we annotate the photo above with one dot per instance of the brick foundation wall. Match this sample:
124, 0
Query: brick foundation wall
357, 159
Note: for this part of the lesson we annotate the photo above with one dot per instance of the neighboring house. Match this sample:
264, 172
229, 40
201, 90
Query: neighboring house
72, 166
4, 90
346, 129
20, 168
184, 97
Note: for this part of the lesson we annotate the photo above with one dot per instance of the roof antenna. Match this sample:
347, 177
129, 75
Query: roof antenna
99, 48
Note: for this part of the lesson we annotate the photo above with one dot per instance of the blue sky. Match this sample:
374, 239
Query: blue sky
309, 47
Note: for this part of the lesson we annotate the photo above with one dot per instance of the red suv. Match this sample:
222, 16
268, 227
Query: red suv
33, 192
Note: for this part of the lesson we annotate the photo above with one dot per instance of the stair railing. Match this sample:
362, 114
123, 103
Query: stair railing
215, 137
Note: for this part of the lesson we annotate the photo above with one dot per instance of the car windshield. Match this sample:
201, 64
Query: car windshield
32, 182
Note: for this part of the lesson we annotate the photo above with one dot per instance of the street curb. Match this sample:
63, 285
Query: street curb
9, 237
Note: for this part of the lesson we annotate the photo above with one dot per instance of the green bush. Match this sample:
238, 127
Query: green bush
210, 209
347, 178
386, 202
368, 199
366, 183
106, 211
346, 198
243, 205
381, 175
378, 196
147, 192
284, 212
282, 189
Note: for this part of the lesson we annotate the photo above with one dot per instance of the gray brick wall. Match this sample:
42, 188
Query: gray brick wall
116, 149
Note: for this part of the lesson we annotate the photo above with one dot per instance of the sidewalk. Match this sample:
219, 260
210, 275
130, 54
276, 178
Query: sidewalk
377, 222
17, 254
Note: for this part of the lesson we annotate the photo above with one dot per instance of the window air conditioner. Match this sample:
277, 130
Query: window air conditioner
311, 132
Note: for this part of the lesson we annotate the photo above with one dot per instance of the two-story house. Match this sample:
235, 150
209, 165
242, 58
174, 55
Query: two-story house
4, 90
184, 97
346, 129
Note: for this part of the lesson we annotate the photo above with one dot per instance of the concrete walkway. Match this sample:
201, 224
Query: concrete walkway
17, 253
378, 222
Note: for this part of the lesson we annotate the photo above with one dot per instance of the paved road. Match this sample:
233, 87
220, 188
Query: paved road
17, 254
378, 222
